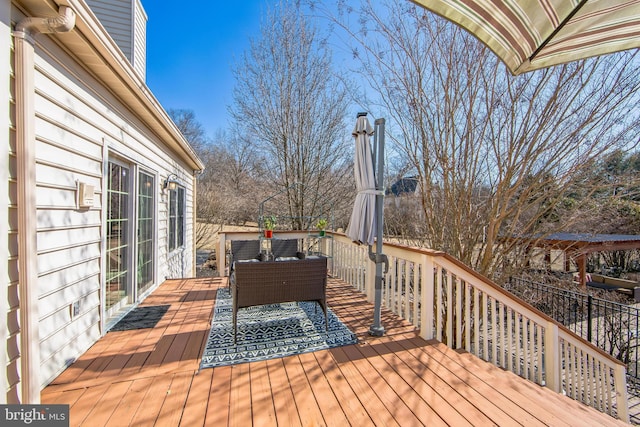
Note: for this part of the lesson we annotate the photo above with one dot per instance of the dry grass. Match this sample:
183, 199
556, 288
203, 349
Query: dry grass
207, 233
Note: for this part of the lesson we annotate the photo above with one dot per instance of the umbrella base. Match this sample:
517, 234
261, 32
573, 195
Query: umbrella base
376, 331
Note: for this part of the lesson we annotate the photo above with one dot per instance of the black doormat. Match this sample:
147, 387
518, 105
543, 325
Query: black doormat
141, 318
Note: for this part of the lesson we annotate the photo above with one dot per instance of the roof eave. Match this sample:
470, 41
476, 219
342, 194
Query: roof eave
90, 43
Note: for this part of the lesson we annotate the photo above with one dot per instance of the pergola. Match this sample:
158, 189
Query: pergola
577, 245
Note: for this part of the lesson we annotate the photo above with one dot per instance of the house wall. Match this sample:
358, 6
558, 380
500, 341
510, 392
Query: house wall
79, 125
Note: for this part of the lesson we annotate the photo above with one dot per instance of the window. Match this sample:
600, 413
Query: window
176, 218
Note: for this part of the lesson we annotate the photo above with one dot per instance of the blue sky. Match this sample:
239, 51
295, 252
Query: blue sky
190, 55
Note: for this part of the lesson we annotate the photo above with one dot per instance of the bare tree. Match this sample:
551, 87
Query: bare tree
228, 186
236, 175
289, 103
495, 154
191, 128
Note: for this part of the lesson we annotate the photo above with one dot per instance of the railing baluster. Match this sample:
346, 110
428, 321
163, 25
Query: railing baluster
567, 371
500, 361
509, 347
485, 329
458, 313
438, 303
519, 336
532, 350
416, 290
599, 385
467, 317
402, 283
407, 290
449, 308
388, 285
494, 331
540, 354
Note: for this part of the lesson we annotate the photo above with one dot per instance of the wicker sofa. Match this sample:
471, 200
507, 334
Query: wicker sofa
271, 282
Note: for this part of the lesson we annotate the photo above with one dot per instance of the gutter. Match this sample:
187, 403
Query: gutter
133, 91
24, 40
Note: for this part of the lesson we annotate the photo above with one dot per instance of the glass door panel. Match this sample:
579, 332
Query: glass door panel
145, 265
117, 280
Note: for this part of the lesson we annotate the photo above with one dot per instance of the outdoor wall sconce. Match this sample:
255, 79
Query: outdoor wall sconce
171, 182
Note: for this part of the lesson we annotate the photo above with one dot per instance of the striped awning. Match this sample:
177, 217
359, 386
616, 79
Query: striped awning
532, 34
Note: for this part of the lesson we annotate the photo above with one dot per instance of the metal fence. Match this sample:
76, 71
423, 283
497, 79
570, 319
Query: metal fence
611, 326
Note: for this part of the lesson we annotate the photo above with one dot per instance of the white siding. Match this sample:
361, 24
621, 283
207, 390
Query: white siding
75, 118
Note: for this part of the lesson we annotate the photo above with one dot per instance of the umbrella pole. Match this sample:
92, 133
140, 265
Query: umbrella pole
379, 258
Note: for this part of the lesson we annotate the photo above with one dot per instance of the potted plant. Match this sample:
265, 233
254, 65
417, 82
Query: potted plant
321, 225
269, 225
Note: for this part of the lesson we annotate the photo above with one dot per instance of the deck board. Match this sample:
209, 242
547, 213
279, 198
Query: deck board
282, 394
332, 412
442, 370
261, 398
393, 406
131, 401
195, 408
219, 406
451, 406
301, 393
151, 377
240, 413
352, 407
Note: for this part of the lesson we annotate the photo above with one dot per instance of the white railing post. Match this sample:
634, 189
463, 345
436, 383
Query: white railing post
552, 357
370, 280
426, 302
221, 256
622, 401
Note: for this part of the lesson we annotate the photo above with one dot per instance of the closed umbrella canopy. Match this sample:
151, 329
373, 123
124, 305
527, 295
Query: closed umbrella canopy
531, 34
367, 216
362, 225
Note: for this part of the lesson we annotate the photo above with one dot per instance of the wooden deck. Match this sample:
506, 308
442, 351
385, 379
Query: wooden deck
150, 377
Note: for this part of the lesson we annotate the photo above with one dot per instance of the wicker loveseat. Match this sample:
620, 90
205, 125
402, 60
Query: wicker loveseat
271, 282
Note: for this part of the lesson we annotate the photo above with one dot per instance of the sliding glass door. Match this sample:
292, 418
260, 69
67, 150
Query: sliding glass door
130, 229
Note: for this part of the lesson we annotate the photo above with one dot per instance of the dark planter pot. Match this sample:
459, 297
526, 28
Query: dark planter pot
268, 234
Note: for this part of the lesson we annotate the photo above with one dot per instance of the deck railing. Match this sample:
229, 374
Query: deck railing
448, 301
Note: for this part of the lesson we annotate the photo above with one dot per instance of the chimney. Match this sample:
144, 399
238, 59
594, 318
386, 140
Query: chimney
126, 23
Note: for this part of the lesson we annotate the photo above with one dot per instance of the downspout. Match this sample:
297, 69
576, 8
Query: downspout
194, 226
24, 34
194, 206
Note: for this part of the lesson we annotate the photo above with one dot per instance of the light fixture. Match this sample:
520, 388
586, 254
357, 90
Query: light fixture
171, 182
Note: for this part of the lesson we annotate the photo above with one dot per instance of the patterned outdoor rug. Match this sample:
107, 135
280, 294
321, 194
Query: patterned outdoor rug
141, 318
270, 331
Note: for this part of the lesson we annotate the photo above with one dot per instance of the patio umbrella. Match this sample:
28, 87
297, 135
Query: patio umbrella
531, 34
366, 218
362, 225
